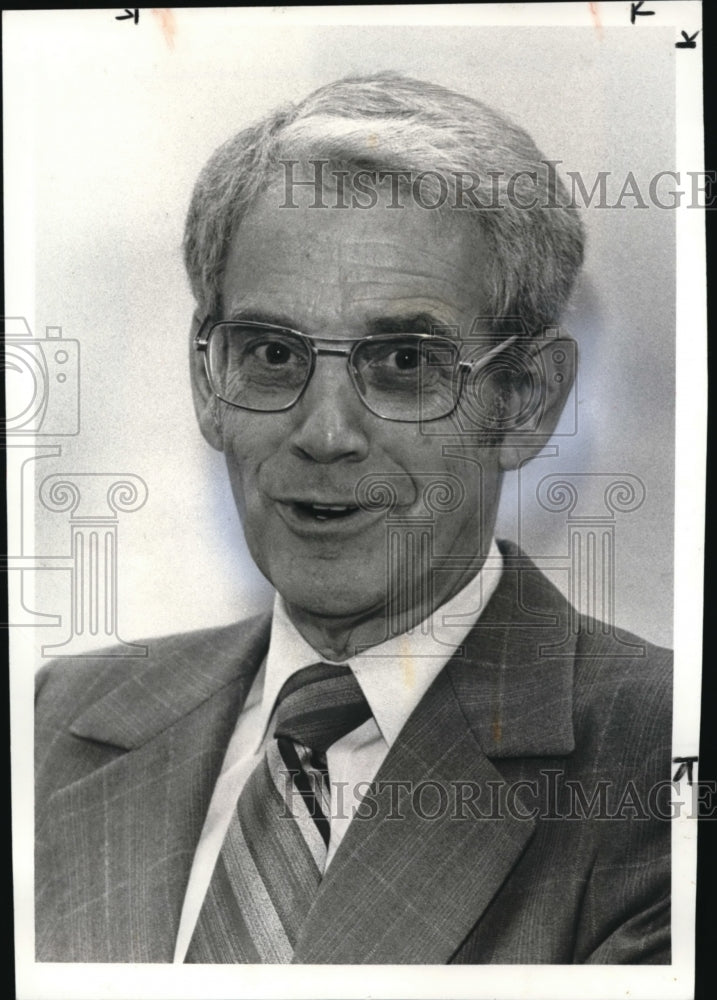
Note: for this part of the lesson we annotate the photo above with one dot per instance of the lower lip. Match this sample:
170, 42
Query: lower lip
302, 523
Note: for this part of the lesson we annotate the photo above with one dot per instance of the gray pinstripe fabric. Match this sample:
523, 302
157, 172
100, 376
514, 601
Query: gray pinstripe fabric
128, 754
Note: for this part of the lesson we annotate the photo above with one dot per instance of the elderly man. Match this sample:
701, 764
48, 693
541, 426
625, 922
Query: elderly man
424, 755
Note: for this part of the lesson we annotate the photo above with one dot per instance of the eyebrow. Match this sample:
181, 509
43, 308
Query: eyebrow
249, 315
421, 322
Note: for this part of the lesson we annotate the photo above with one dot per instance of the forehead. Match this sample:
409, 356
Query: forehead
325, 269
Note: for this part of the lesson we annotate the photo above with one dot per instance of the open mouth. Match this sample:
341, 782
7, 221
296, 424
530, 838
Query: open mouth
323, 511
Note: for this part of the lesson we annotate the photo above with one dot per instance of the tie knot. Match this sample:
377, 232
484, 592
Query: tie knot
320, 704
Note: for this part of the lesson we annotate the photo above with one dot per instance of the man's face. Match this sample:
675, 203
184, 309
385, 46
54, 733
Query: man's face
345, 274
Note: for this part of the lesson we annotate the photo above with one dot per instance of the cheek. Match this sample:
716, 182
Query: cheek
250, 438
236, 481
479, 477
246, 448
436, 483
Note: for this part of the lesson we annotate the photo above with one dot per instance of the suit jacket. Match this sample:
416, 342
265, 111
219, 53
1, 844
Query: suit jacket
540, 706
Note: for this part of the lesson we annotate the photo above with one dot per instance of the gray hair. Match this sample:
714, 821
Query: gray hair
395, 123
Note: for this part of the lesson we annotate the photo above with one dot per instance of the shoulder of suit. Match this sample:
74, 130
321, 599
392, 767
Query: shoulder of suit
81, 680
608, 655
623, 697
621, 683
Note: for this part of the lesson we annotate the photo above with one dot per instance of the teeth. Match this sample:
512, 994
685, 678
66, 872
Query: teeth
323, 511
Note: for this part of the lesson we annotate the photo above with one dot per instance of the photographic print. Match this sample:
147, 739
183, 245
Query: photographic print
355, 440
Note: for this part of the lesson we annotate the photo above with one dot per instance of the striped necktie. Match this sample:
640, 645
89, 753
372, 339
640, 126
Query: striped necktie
272, 858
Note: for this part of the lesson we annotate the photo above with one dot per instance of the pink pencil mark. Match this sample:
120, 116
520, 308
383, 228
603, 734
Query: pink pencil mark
167, 23
595, 14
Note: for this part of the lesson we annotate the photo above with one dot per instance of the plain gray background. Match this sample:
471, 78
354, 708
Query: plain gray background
119, 120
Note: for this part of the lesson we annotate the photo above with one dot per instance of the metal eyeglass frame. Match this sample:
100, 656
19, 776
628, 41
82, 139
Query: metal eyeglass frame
348, 349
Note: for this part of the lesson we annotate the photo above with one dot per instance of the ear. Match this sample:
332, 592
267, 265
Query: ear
206, 404
536, 398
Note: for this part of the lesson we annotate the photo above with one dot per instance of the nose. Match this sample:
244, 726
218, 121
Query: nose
330, 419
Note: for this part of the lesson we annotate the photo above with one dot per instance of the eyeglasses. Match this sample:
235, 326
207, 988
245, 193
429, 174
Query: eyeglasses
399, 376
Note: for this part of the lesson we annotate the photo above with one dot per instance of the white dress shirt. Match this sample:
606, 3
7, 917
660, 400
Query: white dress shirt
393, 676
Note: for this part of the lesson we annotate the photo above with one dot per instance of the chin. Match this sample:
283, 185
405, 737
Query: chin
330, 596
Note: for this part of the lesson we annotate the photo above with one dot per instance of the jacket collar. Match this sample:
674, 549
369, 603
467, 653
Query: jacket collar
514, 679
187, 671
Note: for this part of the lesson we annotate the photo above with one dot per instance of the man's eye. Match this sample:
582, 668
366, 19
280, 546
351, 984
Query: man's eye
405, 359
274, 353
271, 352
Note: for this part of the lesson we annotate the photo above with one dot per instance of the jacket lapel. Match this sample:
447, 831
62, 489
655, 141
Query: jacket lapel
404, 887
409, 888
187, 671
130, 828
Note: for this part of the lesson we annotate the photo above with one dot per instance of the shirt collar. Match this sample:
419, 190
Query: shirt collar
393, 675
